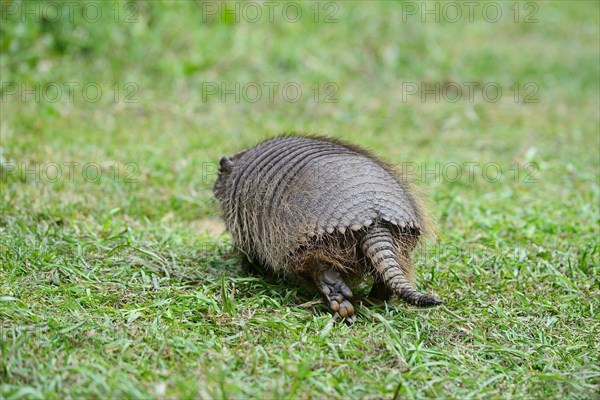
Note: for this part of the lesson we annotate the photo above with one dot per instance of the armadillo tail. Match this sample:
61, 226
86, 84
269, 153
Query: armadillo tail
378, 247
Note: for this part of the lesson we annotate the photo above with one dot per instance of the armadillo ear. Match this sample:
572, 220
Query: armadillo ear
225, 165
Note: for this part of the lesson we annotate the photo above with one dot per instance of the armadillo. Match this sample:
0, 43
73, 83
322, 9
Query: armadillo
319, 210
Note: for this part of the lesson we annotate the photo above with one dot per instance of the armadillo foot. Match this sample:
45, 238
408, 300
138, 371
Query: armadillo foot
337, 294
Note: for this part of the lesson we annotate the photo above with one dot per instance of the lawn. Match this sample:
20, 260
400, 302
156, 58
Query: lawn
117, 279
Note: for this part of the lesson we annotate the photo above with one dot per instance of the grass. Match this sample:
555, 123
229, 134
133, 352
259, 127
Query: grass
117, 281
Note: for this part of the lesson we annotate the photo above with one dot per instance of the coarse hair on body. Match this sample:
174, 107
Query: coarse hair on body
297, 203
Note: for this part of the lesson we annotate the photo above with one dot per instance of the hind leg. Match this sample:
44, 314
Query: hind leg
380, 291
336, 292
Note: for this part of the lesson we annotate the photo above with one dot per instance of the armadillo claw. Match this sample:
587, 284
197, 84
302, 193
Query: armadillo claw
350, 320
334, 305
346, 309
343, 308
